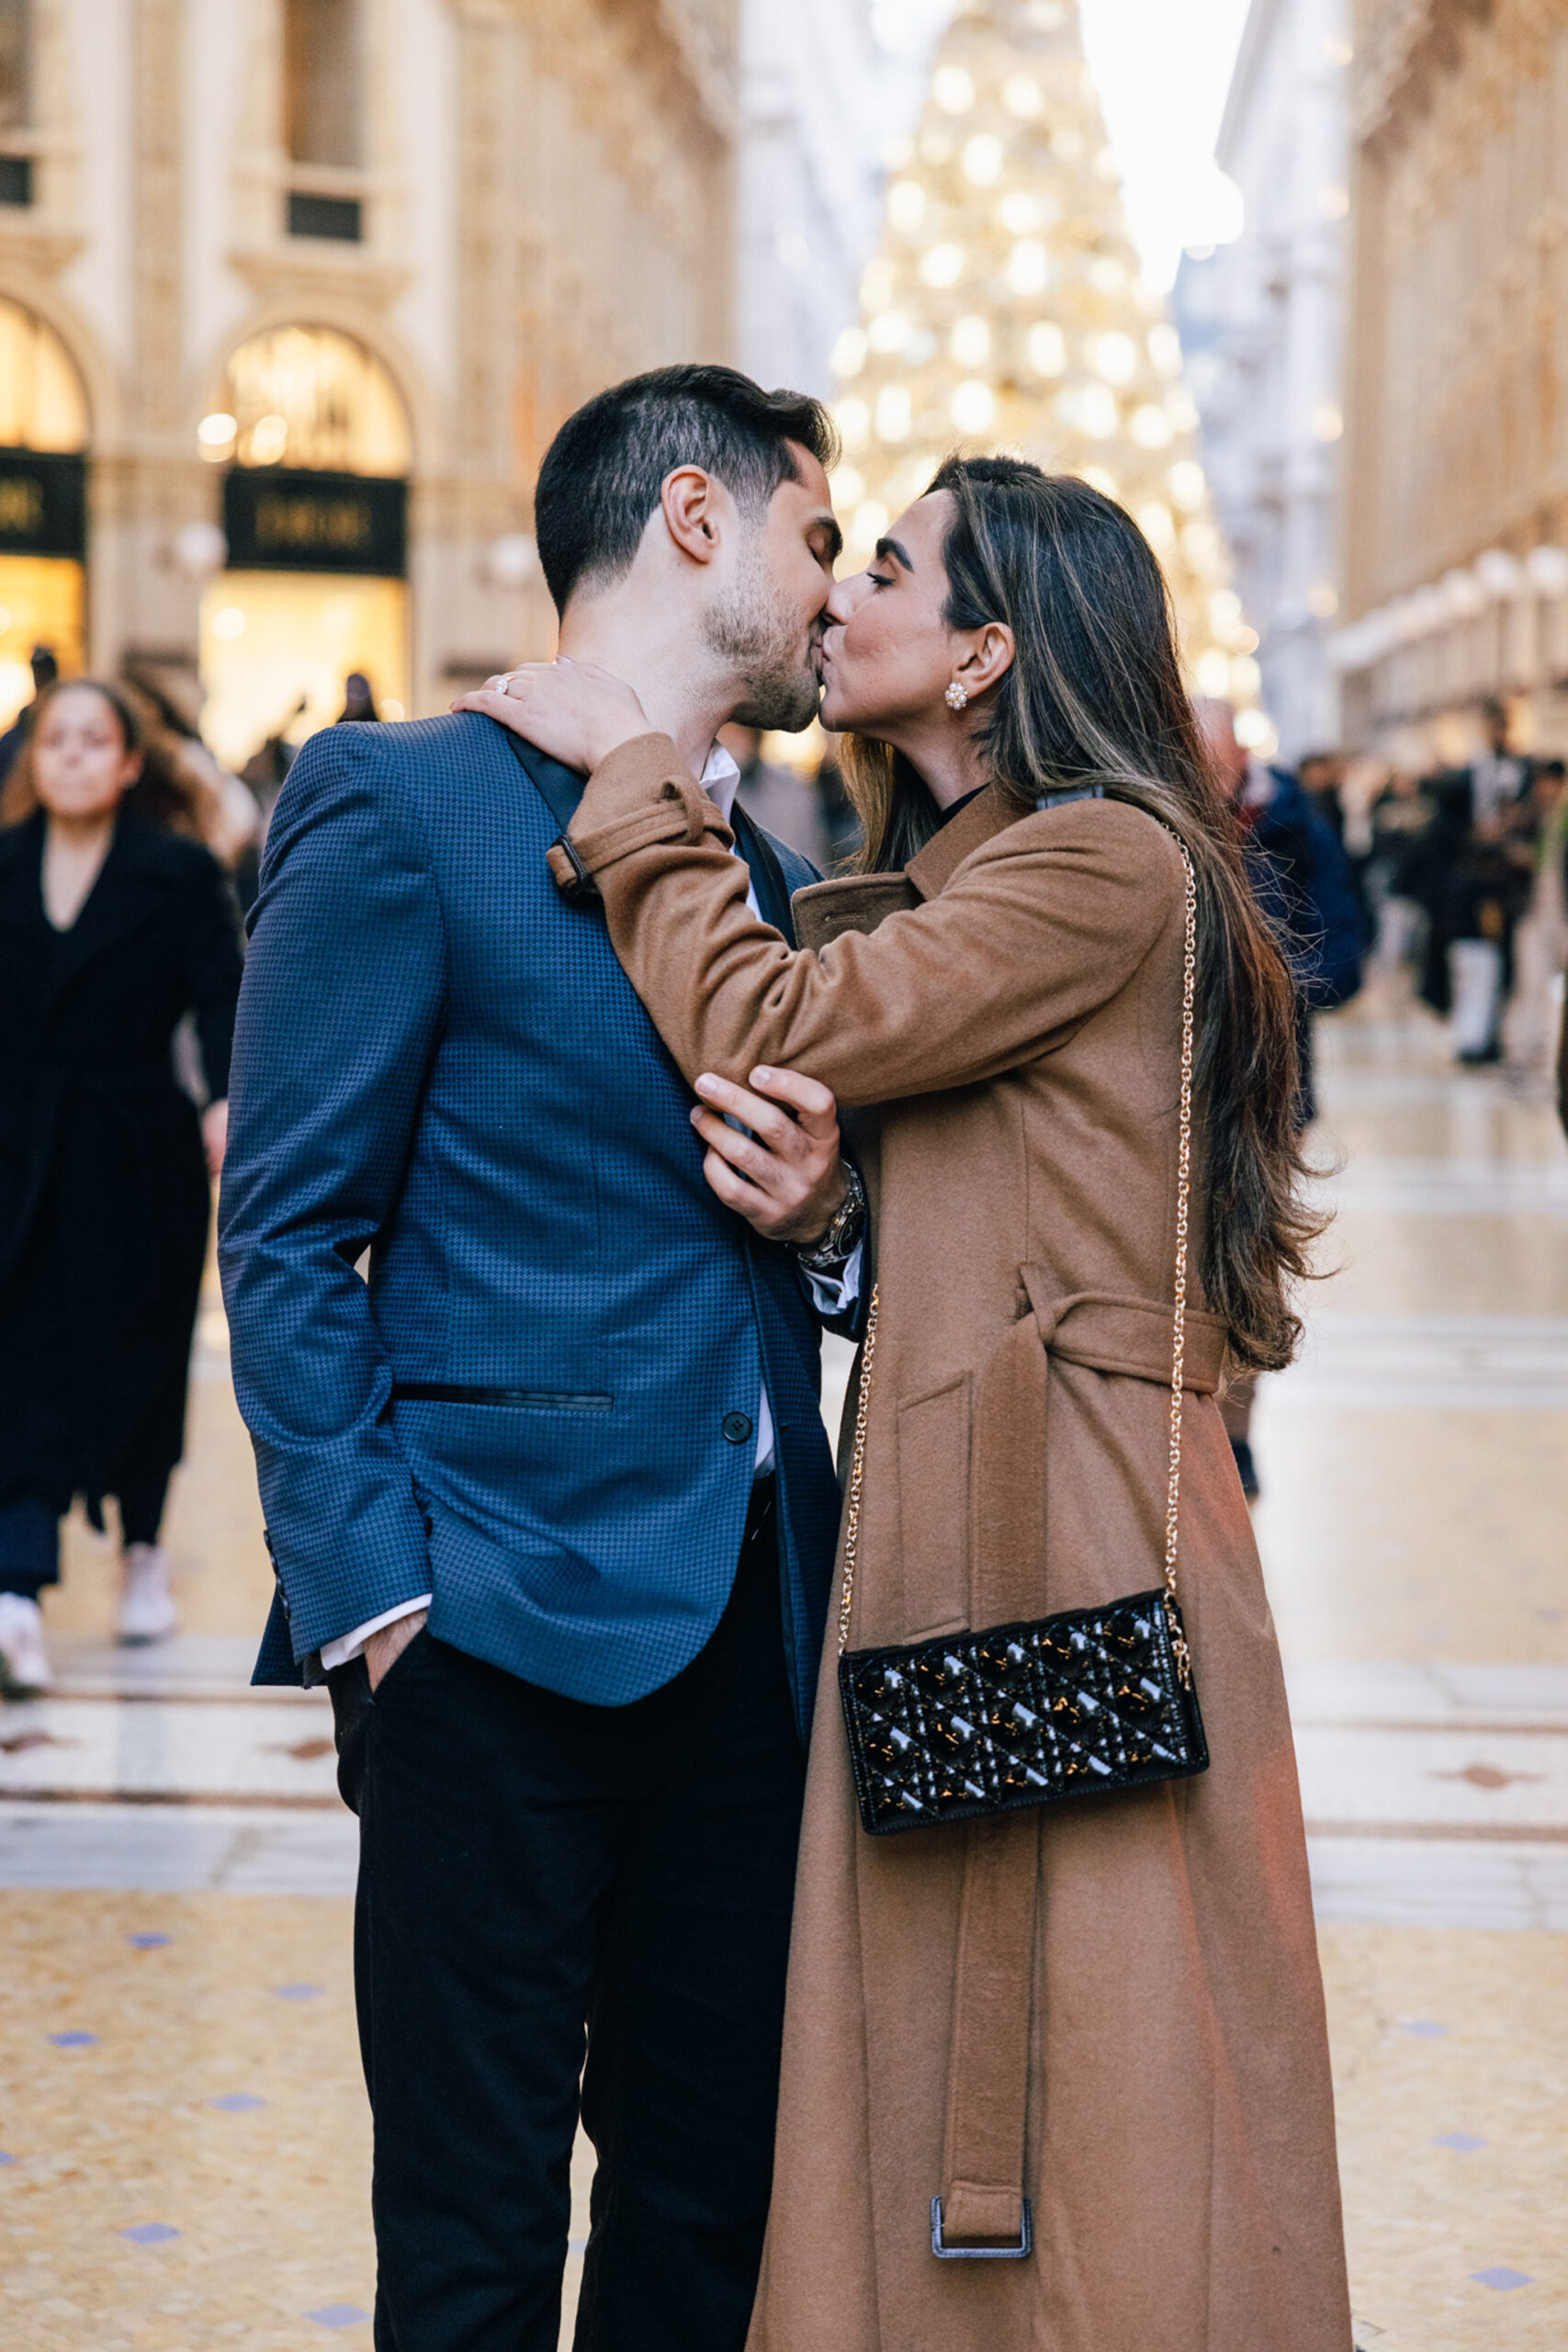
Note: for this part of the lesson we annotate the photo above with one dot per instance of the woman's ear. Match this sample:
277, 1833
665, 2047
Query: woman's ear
989, 657
689, 502
131, 773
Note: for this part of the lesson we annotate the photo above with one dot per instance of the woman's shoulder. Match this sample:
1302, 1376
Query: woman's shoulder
1111, 834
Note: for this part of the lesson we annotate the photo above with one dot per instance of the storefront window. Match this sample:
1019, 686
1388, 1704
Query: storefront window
316, 439
43, 431
309, 396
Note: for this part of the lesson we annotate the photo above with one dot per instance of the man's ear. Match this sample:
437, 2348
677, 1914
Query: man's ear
987, 656
690, 499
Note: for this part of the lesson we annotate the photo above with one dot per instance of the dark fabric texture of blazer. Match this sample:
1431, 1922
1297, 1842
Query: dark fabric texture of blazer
104, 1198
541, 1407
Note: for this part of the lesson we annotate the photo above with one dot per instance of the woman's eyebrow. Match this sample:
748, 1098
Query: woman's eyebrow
894, 548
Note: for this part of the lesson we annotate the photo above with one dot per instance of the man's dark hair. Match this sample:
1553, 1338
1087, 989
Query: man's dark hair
604, 470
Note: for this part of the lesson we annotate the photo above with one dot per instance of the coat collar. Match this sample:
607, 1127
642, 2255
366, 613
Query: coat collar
985, 816
143, 864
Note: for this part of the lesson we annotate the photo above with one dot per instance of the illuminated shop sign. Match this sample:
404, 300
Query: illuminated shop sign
297, 521
43, 504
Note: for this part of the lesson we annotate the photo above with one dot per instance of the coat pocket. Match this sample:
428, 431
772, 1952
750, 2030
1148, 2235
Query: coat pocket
934, 1508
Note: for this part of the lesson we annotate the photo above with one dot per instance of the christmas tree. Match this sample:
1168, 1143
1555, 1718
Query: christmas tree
1004, 310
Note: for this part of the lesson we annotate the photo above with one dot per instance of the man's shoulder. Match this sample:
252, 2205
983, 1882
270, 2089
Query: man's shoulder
404, 746
370, 771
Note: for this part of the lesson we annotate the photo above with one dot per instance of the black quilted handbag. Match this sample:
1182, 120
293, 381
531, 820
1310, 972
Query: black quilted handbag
1091, 1699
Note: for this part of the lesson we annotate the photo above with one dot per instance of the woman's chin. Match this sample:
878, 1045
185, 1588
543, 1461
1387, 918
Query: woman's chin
841, 713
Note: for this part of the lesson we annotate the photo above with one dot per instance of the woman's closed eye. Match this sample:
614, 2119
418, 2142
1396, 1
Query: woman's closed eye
880, 579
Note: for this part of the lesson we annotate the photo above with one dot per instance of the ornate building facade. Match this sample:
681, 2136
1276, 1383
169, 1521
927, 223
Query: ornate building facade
1456, 506
293, 294
1261, 330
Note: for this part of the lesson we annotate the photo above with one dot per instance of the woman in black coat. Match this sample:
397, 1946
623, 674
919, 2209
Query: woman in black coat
114, 923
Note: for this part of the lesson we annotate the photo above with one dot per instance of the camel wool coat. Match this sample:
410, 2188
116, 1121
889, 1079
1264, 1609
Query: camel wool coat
1110, 2007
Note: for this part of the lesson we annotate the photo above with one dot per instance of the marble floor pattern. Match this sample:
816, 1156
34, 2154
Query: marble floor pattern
183, 2137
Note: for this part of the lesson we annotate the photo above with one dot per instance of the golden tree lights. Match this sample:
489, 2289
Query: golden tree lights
1005, 309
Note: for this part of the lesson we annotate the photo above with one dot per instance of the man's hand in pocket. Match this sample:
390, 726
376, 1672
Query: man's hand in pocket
390, 1643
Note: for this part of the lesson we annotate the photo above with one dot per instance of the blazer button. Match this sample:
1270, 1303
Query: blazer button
736, 1427
282, 1596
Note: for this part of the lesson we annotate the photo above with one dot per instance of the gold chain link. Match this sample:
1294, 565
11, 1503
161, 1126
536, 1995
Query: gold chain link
1183, 1201
857, 1478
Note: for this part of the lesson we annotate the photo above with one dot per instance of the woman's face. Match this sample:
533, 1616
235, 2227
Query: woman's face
889, 657
80, 766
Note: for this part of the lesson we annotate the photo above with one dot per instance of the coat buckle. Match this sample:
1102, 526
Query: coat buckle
1018, 2253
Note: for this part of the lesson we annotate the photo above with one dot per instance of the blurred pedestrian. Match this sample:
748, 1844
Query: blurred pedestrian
1398, 821
1302, 879
45, 670
1300, 875
358, 701
1539, 831
115, 921
1498, 777
263, 777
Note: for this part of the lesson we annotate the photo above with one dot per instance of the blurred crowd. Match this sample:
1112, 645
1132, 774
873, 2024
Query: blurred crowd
128, 854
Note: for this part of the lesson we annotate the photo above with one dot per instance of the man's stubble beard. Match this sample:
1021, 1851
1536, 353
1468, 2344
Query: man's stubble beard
758, 636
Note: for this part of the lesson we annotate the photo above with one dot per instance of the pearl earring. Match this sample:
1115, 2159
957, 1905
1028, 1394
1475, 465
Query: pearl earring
956, 696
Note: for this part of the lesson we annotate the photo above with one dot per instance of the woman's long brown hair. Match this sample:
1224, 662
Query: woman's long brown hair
162, 792
1095, 696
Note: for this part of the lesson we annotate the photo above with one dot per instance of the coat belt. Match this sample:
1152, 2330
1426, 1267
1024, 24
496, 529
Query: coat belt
989, 2061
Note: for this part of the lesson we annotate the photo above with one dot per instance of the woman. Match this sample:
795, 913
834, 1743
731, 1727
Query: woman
113, 925
1110, 2009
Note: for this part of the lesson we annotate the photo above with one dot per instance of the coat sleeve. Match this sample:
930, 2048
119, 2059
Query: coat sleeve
1039, 928
212, 967
340, 1012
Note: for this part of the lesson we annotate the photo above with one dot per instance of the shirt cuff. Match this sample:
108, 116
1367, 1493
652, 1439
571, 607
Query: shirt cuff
835, 1294
349, 1646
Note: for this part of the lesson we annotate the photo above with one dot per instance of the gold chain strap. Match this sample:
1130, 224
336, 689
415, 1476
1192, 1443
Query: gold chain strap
857, 1478
1183, 1201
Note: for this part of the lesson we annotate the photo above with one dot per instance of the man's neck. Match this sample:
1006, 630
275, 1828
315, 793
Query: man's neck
684, 697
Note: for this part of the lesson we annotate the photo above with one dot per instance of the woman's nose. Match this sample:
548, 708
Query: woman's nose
846, 595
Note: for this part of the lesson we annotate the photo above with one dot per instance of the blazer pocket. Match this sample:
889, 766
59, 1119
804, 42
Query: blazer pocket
933, 1507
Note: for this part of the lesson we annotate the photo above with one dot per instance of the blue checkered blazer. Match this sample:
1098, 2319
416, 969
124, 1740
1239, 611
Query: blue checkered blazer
540, 1407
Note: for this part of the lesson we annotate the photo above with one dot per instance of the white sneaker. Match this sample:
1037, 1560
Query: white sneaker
146, 1605
24, 1661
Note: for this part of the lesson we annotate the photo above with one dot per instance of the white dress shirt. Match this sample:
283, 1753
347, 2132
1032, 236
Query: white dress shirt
831, 1294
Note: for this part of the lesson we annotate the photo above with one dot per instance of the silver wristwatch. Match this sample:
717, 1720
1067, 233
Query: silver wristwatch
842, 1237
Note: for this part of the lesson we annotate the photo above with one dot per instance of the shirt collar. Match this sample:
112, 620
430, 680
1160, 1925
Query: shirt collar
720, 780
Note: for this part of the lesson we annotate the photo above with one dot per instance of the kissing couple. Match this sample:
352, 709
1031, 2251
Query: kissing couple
625, 1105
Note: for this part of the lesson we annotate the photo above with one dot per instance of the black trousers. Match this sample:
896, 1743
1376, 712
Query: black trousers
560, 1902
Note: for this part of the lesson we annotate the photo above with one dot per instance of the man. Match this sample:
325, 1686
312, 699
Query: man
1498, 778
550, 1499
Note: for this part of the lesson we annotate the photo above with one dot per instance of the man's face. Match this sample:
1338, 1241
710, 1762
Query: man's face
767, 617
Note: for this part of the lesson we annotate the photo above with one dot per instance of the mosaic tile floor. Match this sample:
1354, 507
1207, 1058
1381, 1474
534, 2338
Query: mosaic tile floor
183, 2135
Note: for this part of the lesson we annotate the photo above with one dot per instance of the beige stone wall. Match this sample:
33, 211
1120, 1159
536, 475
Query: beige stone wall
547, 201
1458, 379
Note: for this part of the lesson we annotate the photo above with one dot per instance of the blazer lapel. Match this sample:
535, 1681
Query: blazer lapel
560, 788
768, 882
